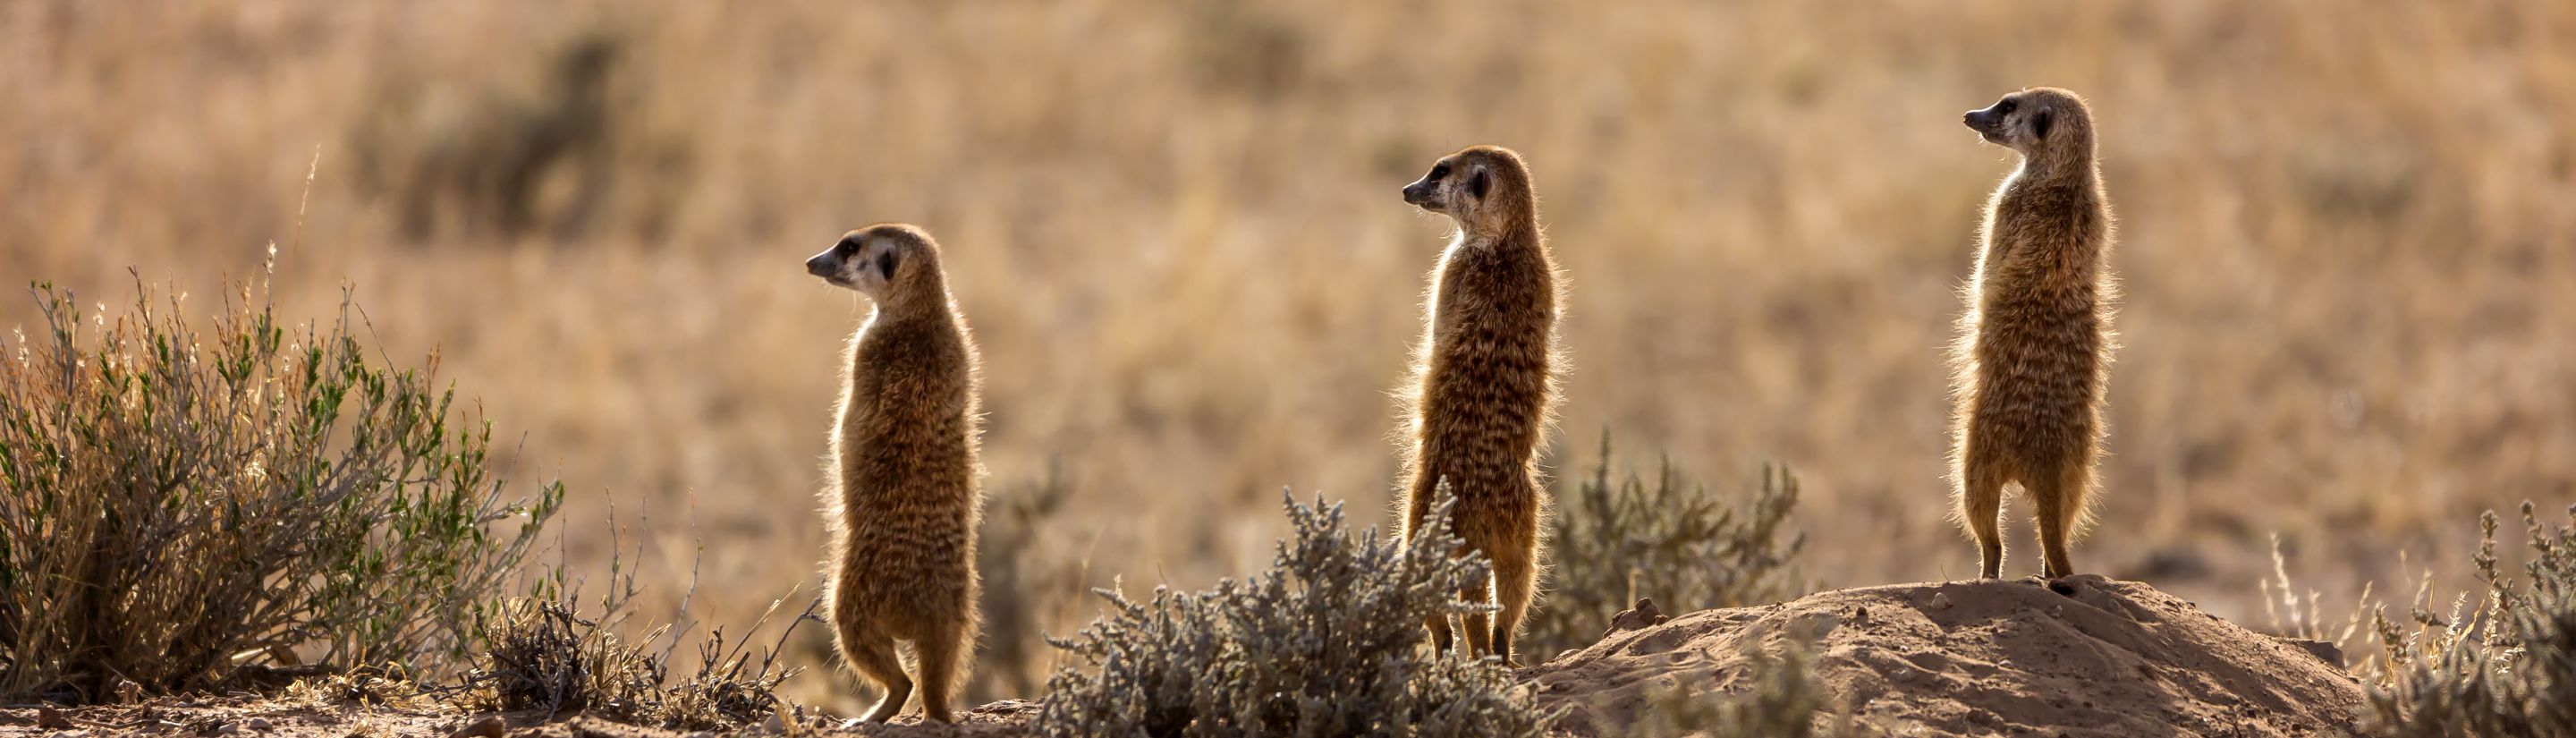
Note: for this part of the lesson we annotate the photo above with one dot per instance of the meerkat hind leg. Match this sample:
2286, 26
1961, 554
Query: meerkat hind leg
1981, 500
872, 654
2058, 497
1515, 582
940, 657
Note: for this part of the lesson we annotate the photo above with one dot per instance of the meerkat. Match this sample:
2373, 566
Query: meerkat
2035, 342
1484, 381
903, 496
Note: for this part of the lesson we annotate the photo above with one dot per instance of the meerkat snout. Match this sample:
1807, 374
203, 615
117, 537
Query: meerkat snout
2013, 121
862, 261
1423, 194
1448, 191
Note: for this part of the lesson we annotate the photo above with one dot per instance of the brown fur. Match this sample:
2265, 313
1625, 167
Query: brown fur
2035, 343
904, 473
1485, 381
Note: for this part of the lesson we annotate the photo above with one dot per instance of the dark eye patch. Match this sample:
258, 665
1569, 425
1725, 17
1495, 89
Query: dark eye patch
1438, 171
2006, 106
846, 246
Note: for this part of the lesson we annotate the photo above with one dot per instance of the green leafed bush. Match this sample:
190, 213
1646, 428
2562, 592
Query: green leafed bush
1329, 641
2504, 667
1615, 539
177, 501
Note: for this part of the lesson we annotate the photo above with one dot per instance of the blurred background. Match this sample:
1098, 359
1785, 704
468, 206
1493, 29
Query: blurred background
2347, 234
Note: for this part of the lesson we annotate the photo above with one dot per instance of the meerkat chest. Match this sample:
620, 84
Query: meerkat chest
1484, 293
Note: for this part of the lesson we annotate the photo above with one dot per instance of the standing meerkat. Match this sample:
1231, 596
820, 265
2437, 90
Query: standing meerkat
1485, 380
2035, 343
903, 499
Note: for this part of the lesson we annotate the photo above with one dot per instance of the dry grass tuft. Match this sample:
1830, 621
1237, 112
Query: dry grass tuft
1327, 642
1616, 539
541, 654
179, 501
2504, 667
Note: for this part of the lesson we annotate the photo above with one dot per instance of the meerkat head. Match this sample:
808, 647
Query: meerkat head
1485, 188
876, 259
2037, 121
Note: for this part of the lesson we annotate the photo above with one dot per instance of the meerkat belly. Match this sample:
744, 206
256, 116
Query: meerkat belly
910, 545
1484, 402
2035, 376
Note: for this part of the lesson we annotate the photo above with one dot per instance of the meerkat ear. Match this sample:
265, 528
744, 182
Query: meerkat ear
1479, 182
887, 260
2039, 121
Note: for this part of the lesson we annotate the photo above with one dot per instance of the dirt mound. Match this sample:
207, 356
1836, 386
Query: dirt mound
2087, 657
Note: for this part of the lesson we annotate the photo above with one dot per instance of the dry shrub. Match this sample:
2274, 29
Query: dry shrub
178, 502
1613, 541
2506, 667
1784, 701
1324, 643
540, 654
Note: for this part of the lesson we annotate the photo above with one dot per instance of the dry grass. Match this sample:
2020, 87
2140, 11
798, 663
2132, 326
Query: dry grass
1328, 641
2506, 666
542, 655
1617, 538
540, 652
2345, 233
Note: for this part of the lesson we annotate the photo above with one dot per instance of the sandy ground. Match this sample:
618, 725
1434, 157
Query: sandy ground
2084, 657
260, 717
2080, 657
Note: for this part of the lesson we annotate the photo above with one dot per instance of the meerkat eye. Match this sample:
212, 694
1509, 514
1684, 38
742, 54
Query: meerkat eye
846, 246
2006, 106
1438, 171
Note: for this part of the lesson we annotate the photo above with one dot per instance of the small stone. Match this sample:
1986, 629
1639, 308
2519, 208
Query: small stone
258, 723
51, 719
1940, 601
1644, 615
229, 729
777, 724
489, 726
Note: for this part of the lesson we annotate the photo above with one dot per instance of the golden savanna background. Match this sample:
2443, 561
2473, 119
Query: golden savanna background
2347, 234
